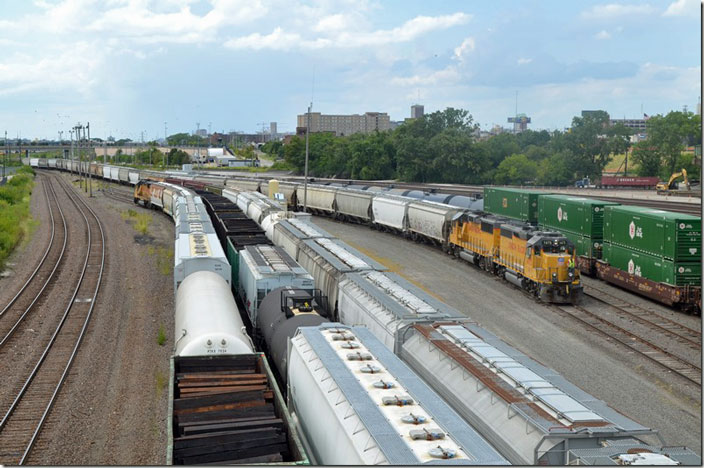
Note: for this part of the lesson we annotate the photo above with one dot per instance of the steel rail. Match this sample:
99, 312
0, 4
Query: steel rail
34, 274
46, 252
636, 343
23, 391
646, 317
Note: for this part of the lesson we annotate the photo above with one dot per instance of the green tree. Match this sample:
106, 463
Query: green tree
593, 140
670, 134
648, 159
555, 170
274, 148
516, 169
501, 146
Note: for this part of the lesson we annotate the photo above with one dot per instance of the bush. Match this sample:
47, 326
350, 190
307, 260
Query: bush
14, 213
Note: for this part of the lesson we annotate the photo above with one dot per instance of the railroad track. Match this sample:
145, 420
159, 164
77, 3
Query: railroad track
22, 422
19, 307
118, 196
661, 324
640, 345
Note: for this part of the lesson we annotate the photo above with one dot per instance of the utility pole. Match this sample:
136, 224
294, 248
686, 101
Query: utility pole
70, 153
90, 158
305, 172
4, 156
167, 154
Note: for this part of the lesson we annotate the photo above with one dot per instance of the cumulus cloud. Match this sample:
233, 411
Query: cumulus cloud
408, 31
682, 8
603, 34
524, 61
617, 10
465, 48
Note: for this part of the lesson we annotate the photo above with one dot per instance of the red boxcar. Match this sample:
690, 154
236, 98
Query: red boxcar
629, 182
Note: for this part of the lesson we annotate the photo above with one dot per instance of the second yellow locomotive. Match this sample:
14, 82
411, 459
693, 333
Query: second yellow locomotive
538, 261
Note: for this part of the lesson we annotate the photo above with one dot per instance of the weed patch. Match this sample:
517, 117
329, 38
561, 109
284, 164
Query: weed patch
161, 336
15, 216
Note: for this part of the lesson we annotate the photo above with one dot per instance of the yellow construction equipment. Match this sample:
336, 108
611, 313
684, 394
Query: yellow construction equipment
671, 184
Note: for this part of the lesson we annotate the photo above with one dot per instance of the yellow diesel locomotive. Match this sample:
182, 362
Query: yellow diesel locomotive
540, 262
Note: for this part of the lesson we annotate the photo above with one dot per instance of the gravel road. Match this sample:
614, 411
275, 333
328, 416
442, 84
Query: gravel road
626, 381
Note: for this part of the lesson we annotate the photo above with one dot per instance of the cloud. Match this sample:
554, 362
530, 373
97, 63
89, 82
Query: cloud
465, 48
524, 61
683, 8
446, 76
603, 34
617, 10
408, 31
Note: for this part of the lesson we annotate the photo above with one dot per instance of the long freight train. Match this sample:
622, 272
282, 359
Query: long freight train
556, 423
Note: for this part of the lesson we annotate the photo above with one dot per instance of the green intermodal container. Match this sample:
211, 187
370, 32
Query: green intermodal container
576, 215
584, 245
654, 268
513, 203
674, 236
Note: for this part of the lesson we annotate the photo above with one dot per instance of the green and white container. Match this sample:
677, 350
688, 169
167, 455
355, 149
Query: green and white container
674, 236
652, 267
579, 219
513, 203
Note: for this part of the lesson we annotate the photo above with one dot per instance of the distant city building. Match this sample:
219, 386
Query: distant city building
586, 113
417, 111
520, 123
201, 132
272, 130
637, 125
342, 125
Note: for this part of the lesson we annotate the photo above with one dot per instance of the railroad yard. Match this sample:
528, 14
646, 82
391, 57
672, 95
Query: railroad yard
112, 261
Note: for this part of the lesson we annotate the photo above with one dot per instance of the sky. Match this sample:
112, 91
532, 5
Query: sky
129, 66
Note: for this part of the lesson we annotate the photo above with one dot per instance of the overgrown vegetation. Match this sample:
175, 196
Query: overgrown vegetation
141, 221
161, 336
15, 216
164, 259
444, 147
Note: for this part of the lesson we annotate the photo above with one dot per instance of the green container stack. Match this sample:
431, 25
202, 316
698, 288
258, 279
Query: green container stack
658, 245
579, 219
654, 268
514, 203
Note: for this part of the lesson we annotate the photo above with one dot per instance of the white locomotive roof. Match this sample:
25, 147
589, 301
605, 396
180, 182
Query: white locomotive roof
552, 399
383, 392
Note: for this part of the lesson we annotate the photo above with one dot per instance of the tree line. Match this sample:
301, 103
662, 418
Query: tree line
443, 147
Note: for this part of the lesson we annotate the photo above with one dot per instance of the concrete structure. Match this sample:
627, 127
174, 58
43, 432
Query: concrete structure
520, 122
417, 111
638, 125
343, 125
272, 130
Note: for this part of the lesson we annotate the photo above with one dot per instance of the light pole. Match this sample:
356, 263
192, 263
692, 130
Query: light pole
305, 170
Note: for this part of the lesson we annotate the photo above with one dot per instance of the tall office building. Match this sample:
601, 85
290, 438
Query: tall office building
417, 111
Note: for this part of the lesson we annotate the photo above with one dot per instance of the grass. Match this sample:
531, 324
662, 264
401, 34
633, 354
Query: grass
164, 259
16, 222
141, 220
161, 336
161, 382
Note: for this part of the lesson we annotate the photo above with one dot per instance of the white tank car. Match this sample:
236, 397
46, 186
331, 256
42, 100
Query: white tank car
207, 321
387, 305
356, 403
269, 221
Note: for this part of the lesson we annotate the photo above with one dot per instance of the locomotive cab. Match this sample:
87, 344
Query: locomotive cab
552, 258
